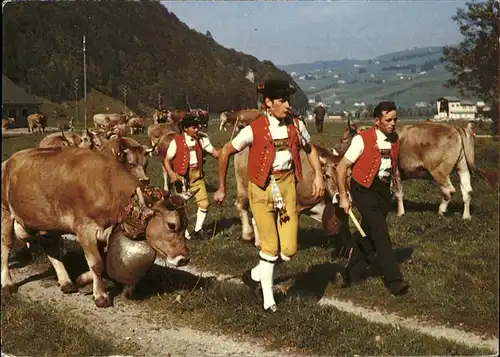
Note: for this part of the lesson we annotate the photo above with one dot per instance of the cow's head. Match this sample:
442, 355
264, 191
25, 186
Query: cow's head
329, 162
91, 140
134, 158
349, 132
166, 226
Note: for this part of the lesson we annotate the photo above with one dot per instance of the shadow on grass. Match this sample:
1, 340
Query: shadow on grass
412, 206
222, 224
311, 285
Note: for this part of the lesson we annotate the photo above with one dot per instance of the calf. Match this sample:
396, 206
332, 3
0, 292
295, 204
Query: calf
37, 121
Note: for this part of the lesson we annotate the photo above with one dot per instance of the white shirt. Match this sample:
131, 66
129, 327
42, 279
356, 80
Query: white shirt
190, 142
283, 158
356, 148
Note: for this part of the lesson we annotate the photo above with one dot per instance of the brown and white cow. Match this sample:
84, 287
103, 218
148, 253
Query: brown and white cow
107, 121
37, 121
241, 117
431, 150
322, 209
8, 123
156, 131
136, 125
53, 191
131, 154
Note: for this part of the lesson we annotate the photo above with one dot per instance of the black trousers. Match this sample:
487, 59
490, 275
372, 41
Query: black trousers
374, 204
319, 125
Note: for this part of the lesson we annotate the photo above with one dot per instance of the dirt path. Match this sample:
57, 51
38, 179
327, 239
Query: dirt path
129, 322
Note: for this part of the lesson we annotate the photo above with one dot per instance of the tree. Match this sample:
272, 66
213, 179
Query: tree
209, 35
317, 98
474, 63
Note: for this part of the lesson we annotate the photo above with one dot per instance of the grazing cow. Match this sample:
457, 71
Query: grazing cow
156, 131
8, 123
106, 121
131, 154
431, 150
178, 114
241, 117
322, 209
37, 121
136, 125
53, 191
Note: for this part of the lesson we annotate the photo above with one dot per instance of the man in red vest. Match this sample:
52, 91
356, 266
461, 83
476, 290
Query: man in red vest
186, 154
373, 158
274, 140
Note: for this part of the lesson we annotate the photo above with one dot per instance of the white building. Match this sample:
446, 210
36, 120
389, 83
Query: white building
455, 108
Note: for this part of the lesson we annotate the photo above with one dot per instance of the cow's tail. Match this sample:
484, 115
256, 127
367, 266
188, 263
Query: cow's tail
467, 136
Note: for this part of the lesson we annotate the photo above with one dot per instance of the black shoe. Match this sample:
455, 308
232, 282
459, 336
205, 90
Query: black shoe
200, 235
252, 285
398, 287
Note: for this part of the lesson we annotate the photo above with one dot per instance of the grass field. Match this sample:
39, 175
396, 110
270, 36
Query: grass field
451, 264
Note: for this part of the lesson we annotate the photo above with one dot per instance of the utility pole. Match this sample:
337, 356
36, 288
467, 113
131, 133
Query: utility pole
159, 101
124, 90
76, 98
85, 82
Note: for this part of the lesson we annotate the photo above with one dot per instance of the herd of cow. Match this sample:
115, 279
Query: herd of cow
94, 185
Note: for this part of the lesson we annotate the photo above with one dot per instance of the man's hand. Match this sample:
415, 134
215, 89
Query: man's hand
344, 203
174, 177
219, 196
318, 186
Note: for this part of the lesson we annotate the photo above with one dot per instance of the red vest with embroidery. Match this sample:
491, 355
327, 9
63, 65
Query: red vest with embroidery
262, 151
366, 167
182, 155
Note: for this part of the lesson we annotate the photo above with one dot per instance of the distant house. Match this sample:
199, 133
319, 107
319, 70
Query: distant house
455, 108
16, 103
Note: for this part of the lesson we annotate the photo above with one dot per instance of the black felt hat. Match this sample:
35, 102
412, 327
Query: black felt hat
276, 88
190, 120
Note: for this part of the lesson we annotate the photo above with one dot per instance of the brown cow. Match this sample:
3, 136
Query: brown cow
431, 150
322, 209
178, 114
156, 131
61, 139
242, 117
37, 121
8, 123
136, 125
131, 154
53, 191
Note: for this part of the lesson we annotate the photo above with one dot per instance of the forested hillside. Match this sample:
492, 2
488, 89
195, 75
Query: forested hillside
140, 45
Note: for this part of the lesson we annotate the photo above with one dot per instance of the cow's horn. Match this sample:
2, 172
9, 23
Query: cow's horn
140, 196
322, 160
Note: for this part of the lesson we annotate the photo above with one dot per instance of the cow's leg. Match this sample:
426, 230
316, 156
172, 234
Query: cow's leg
51, 245
7, 242
465, 186
88, 236
165, 178
242, 206
397, 189
447, 191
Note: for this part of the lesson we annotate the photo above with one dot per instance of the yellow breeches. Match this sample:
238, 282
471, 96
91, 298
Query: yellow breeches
195, 182
274, 236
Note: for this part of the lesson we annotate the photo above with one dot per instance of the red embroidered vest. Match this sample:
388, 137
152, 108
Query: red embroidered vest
366, 167
182, 156
262, 151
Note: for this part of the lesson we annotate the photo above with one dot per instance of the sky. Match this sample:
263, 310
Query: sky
287, 32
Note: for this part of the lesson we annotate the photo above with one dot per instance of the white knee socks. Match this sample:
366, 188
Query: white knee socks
266, 281
200, 219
